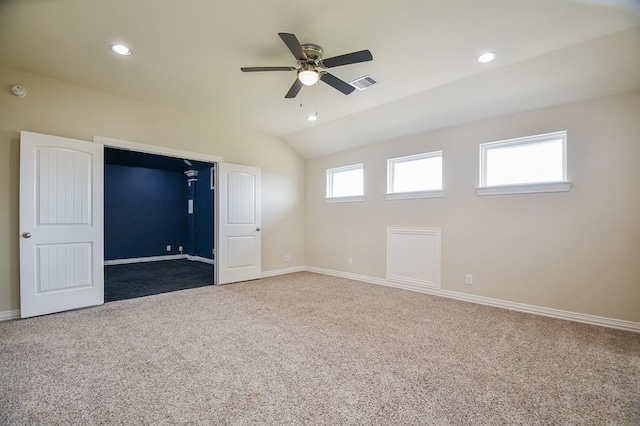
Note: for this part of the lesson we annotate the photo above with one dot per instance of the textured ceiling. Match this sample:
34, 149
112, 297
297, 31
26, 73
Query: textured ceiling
188, 54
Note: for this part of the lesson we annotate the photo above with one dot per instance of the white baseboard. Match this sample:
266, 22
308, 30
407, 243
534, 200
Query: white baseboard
201, 259
144, 259
355, 277
514, 306
9, 315
284, 271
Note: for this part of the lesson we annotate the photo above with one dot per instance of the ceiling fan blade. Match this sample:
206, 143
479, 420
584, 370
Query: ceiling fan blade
295, 88
294, 45
255, 69
336, 83
349, 58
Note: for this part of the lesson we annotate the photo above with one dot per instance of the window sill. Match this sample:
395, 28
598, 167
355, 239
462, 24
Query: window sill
413, 195
529, 188
355, 199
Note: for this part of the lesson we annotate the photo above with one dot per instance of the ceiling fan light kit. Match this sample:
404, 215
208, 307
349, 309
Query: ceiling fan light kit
308, 75
312, 65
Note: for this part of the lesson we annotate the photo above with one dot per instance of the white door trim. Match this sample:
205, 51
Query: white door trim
154, 149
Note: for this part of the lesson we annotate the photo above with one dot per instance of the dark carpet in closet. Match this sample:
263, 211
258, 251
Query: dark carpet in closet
144, 279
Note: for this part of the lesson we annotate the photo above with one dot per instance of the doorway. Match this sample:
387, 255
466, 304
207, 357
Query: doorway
62, 220
158, 224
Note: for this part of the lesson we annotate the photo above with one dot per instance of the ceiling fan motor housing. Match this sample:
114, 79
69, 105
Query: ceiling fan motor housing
313, 51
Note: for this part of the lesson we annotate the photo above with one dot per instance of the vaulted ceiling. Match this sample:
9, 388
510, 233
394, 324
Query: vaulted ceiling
188, 54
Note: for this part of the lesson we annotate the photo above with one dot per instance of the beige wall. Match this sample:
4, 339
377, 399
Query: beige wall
62, 109
577, 251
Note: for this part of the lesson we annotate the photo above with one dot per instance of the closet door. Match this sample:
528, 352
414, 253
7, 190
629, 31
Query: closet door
61, 224
239, 233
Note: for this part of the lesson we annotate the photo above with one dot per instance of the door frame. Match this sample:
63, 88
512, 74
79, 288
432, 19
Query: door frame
176, 153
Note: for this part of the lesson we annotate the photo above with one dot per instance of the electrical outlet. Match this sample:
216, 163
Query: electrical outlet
288, 257
168, 248
469, 279
350, 262
179, 248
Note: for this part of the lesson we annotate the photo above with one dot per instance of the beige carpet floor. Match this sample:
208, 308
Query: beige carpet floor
312, 349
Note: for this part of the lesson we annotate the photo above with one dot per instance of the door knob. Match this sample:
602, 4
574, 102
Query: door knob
26, 235
258, 229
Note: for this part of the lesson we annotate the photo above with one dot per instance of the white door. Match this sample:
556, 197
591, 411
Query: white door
239, 237
61, 224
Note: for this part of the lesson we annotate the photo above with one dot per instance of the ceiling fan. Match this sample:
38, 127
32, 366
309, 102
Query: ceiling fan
311, 64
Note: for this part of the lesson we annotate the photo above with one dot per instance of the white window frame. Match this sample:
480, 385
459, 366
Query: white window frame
390, 195
524, 188
349, 199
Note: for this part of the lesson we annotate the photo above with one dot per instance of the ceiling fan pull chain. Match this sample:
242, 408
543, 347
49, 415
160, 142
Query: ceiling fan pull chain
317, 100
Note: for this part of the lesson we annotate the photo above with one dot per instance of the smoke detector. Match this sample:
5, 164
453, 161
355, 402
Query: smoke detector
19, 91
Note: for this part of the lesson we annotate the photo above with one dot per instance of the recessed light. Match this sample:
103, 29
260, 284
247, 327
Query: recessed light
121, 49
312, 117
487, 57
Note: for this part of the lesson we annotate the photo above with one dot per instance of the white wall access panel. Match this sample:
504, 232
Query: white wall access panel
413, 257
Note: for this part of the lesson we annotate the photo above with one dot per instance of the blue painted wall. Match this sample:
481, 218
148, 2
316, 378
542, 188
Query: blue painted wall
145, 210
204, 214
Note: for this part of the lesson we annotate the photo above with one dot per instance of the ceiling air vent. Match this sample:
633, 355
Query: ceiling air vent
363, 82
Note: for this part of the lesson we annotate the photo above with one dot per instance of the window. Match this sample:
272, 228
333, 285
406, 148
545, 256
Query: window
415, 176
524, 165
345, 184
